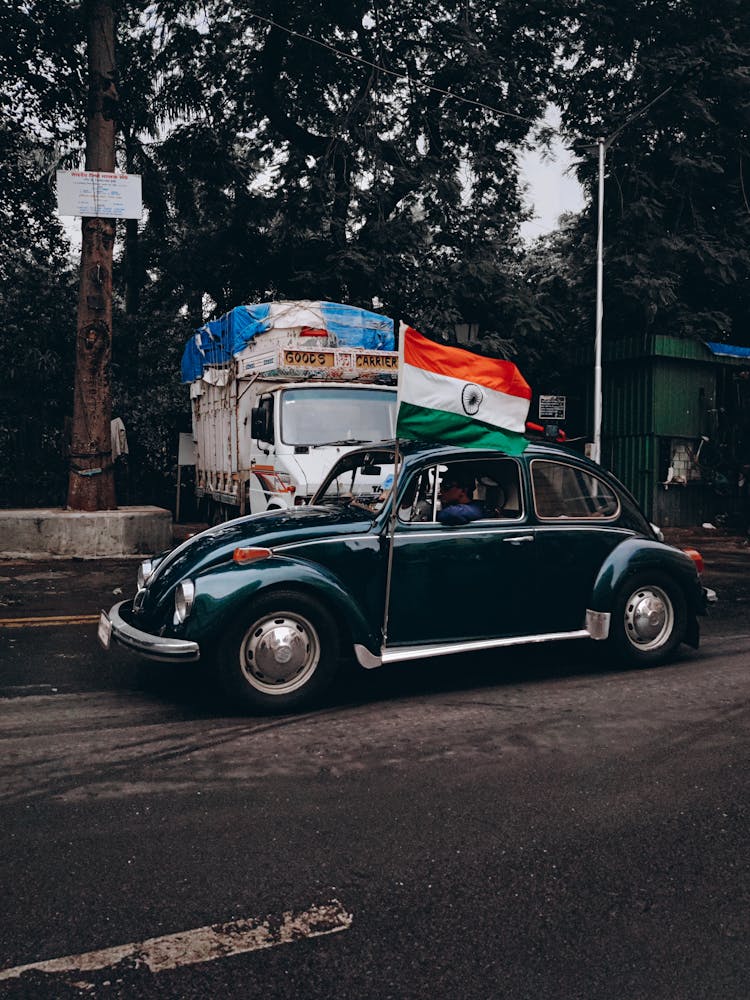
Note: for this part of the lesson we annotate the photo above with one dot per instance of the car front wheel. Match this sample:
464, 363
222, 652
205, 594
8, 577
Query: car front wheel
282, 656
649, 620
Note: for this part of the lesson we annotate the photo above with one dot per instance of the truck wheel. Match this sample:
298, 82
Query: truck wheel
649, 620
282, 656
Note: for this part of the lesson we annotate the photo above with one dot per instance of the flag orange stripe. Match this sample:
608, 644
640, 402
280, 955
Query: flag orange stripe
503, 376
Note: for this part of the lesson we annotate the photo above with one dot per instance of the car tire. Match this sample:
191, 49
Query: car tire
649, 620
282, 655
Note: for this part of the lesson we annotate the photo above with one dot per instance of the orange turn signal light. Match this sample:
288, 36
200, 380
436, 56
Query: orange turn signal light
696, 557
243, 555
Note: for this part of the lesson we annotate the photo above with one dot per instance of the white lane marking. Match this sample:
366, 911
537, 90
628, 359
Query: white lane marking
203, 944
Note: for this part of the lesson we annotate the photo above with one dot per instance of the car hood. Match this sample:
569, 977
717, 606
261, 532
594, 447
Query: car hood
269, 529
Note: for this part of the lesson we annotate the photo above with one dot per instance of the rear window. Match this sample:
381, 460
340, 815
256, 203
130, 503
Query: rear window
566, 492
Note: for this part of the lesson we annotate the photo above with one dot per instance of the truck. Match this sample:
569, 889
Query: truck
278, 392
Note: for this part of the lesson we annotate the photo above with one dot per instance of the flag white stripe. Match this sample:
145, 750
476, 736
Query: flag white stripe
441, 392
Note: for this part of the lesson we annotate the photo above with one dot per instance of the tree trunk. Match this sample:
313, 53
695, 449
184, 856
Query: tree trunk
91, 483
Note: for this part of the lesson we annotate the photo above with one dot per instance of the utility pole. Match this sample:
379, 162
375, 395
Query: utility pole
597, 452
601, 148
91, 482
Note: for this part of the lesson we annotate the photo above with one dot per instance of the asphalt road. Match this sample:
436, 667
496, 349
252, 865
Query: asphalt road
536, 823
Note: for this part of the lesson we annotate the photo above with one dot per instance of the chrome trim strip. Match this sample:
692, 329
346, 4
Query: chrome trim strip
399, 654
542, 527
597, 624
321, 541
406, 530
154, 647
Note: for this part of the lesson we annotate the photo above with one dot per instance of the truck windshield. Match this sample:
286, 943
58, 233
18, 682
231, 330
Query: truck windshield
337, 414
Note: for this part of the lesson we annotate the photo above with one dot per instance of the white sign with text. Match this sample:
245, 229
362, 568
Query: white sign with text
99, 195
552, 407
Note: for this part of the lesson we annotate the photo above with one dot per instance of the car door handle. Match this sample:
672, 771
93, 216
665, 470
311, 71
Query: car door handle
517, 539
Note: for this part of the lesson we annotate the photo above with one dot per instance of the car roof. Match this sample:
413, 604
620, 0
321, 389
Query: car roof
416, 451
431, 449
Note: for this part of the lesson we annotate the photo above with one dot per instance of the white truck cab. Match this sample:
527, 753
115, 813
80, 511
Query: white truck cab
300, 429
273, 412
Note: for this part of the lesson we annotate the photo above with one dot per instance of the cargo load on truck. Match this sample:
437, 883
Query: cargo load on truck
278, 392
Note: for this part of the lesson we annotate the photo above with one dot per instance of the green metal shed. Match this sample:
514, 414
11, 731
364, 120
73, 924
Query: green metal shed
676, 425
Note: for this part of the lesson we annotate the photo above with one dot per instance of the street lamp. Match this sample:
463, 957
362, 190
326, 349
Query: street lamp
602, 145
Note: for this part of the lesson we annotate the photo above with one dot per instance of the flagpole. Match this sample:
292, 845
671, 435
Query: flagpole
394, 490
391, 536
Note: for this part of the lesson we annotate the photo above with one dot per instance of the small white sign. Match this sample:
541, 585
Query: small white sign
99, 195
259, 363
552, 407
186, 450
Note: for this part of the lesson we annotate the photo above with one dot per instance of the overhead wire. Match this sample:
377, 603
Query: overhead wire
439, 90
390, 72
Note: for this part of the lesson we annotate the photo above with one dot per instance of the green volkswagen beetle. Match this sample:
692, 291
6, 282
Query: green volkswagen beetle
473, 550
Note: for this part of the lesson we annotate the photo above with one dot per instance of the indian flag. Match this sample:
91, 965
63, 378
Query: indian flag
452, 396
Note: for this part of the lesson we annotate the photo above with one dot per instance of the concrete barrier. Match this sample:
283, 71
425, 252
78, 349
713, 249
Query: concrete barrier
64, 534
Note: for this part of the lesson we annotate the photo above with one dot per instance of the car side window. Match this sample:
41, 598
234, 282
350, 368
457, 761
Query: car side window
499, 489
566, 492
417, 500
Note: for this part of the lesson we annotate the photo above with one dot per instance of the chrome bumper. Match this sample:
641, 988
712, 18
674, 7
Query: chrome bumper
709, 596
114, 628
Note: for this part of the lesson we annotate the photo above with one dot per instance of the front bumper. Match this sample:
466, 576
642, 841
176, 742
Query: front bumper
114, 628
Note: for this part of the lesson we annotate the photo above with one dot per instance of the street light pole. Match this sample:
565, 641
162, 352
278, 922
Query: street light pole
602, 146
597, 450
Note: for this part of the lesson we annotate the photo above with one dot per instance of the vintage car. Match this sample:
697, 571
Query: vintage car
277, 601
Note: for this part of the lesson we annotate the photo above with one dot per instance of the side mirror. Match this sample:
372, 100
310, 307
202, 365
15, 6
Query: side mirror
256, 422
261, 420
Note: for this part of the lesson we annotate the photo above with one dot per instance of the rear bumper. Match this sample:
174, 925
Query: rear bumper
114, 628
709, 597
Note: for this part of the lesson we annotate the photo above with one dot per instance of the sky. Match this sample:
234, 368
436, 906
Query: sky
552, 190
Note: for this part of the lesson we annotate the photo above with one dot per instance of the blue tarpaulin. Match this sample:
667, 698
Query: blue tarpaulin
219, 340
728, 350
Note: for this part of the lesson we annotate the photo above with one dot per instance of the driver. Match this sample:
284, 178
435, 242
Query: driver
457, 499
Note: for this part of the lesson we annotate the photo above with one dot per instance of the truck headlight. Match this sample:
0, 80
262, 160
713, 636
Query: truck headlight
183, 600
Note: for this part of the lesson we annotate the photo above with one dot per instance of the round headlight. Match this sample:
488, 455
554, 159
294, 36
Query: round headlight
183, 599
144, 572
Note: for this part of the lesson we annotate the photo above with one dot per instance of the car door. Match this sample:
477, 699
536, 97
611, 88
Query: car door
471, 581
578, 525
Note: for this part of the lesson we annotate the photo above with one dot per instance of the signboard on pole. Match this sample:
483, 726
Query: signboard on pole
552, 407
99, 195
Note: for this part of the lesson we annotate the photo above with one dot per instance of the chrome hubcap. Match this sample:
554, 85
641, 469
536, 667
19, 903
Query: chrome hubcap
649, 618
279, 653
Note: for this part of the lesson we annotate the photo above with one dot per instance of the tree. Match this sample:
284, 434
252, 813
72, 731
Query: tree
299, 171
677, 207
91, 485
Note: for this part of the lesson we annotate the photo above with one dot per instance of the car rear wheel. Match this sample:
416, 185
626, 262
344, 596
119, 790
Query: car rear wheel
282, 656
649, 620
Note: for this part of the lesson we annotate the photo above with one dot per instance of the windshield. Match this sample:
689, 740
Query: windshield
362, 479
337, 414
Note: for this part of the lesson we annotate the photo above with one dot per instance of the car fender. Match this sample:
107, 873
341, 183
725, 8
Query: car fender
640, 555
226, 591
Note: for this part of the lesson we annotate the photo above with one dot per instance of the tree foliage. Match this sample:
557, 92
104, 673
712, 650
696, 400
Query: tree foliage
677, 207
320, 150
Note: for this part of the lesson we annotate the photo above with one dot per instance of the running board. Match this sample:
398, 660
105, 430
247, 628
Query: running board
399, 654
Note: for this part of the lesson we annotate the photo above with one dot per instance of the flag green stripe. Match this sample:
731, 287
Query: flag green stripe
423, 424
